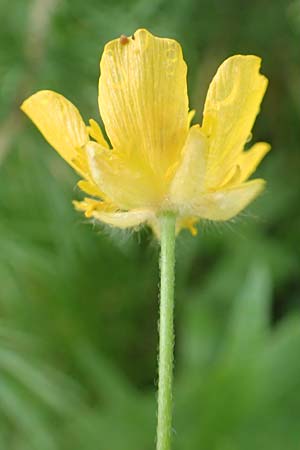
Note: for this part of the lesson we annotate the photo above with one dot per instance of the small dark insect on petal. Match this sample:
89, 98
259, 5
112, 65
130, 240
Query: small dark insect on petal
124, 39
133, 37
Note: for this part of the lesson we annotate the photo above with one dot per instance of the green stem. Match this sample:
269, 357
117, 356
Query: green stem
166, 332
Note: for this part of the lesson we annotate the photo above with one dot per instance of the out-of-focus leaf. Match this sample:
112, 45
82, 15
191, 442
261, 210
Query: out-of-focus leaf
249, 324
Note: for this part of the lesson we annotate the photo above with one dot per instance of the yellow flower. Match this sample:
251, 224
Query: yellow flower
155, 161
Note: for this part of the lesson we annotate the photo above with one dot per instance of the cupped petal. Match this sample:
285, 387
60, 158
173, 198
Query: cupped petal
128, 186
227, 203
232, 104
119, 219
188, 182
61, 124
143, 98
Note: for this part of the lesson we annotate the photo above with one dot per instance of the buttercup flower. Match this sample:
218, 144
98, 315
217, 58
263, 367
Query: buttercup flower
154, 160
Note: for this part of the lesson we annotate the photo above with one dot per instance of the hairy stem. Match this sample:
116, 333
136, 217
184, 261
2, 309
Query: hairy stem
166, 331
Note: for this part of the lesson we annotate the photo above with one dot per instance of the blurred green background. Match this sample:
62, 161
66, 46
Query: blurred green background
78, 303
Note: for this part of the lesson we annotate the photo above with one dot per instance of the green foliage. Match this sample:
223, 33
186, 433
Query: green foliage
78, 302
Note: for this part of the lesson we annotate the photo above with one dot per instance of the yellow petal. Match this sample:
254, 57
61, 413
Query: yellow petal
246, 164
191, 115
61, 124
249, 160
128, 219
128, 187
231, 106
227, 203
231, 177
119, 219
90, 188
95, 132
189, 223
143, 98
90, 205
188, 182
